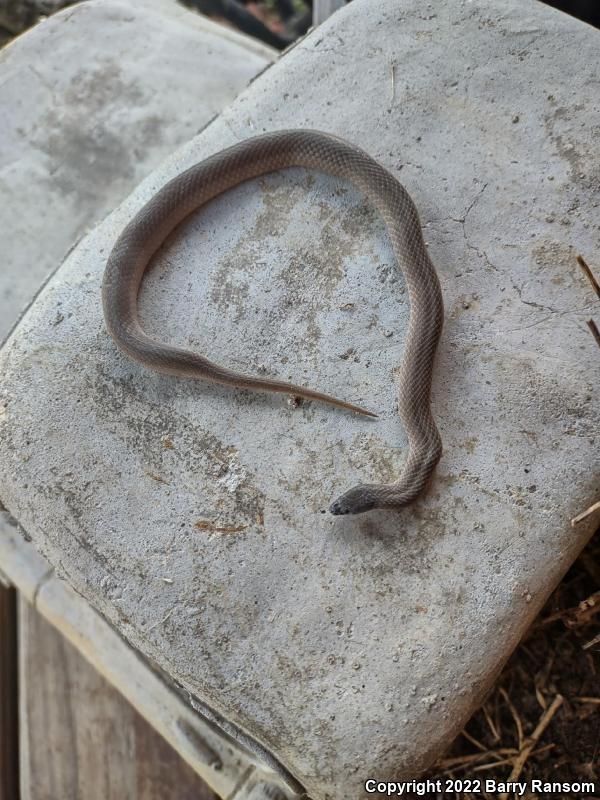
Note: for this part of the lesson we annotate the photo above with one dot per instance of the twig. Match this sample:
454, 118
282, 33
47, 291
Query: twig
585, 514
589, 274
587, 609
474, 741
596, 287
492, 727
514, 715
465, 761
592, 642
594, 329
521, 759
449, 764
577, 615
393, 70
493, 764
540, 698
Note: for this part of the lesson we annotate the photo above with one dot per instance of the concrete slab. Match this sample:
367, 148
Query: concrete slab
190, 515
89, 109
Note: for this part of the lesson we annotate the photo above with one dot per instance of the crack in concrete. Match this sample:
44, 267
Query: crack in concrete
471, 205
555, 313
519, 291
462, 221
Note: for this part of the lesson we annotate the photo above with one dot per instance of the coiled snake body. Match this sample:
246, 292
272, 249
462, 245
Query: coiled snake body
273, 151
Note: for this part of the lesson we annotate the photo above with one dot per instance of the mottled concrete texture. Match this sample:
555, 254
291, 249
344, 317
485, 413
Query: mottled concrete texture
191, 515
92, 100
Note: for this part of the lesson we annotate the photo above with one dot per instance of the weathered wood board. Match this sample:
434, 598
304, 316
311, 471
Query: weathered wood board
80, 740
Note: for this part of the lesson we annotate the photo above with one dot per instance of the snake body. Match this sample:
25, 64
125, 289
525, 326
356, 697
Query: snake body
251, 158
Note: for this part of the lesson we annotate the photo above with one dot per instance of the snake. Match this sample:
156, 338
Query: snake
270, 152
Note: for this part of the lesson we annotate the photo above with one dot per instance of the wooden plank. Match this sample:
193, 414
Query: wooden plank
325, 8
9, 777
211, 757
80, 738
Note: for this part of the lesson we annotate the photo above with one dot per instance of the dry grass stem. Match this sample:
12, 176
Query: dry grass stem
500, 755
577, 616
592, 642
585, 514
589, 274
587, 609
594, 329
531, 742
491, 725
494, 764
514, 715
540, 698
474, 741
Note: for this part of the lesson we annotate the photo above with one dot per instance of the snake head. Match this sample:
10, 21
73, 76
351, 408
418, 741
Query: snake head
354, 501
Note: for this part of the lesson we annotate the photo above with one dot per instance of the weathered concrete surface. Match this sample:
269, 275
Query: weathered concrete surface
351, 647
92, 100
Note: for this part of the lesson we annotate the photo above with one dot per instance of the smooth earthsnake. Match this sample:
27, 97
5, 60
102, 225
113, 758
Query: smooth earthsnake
251, 158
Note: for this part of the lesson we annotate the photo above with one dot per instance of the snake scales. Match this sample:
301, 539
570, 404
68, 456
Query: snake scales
195, 187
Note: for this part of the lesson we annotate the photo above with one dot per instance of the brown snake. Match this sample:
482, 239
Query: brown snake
198, 185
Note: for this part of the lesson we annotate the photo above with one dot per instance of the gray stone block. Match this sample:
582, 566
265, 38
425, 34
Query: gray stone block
349, 647
93, 99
